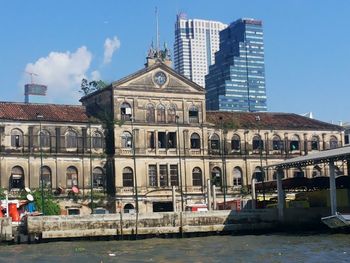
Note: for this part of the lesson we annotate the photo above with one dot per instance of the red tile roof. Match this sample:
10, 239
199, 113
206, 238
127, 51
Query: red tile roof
50, 112
268, 120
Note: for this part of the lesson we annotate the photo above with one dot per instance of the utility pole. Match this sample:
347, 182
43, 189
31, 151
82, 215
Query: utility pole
40, 117
180, 166
134, 158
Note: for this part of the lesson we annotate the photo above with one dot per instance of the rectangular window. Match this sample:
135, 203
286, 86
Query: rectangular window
162, 140
172, 140
235, 144
314, 145
150, 140
174, 177
163, 175
294, 145
17, 141
152, 175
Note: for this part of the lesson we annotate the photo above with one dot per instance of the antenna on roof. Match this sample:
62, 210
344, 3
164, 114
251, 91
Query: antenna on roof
31, 75
32, 88
157, 29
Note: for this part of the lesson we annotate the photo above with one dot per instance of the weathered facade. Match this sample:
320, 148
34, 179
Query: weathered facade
163, 137
60, 137
147, 133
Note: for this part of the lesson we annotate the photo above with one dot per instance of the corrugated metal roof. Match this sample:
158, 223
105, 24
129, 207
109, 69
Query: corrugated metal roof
50, 112
315, 158
268, 121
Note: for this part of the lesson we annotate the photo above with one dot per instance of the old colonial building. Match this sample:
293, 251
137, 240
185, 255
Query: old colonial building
58, 138
147, 134
163, 137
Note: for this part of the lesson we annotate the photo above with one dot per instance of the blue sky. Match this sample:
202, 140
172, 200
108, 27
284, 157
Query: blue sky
307, 46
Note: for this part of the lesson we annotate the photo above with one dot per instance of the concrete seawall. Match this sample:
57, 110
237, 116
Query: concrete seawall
6, 229
174, 223
149, 224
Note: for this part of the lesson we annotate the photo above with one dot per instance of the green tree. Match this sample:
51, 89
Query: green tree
51, 207
88, 87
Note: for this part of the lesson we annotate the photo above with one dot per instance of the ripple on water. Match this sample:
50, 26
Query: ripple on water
248, 248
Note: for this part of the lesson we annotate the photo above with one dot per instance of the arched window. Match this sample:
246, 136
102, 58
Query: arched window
126, 140
277, 143
235, 143
315, 143
214, 142
71, 139
45, 140
72, 176
237, 176
197, 177
125, 111
46, 177
195, 141
316, 171
193, 114
258, 143
150, 113
172, 113
128, 208
128, 177
17, 178
97, 140
337, 171
294, 143
98, 178
258, 174
160, 113
333, 142
216, 177
16, 138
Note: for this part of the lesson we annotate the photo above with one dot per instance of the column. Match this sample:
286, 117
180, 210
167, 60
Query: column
280, 194
332, 188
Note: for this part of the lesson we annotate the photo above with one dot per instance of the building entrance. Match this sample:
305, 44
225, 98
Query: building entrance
163, 207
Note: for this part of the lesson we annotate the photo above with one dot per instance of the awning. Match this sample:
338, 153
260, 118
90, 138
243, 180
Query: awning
337, 154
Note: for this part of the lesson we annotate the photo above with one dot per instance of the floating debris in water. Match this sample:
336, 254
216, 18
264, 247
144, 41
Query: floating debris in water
79, 249
111, 254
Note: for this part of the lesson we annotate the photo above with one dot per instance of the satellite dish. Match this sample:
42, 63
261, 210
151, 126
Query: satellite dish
30, 197
27, 190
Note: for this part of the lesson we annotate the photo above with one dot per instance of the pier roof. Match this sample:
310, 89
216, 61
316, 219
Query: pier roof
338, 154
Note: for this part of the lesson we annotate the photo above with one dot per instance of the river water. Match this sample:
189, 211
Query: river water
246, 248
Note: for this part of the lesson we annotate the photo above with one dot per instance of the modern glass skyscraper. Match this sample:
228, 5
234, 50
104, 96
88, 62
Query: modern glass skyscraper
196, 42
236, 82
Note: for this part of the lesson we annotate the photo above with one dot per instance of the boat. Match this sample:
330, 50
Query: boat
337, 221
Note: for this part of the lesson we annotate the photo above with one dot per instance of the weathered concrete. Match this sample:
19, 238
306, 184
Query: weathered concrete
149, 224
6, 229
177, 223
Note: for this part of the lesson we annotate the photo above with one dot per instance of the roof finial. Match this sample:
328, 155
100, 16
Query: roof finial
157, 30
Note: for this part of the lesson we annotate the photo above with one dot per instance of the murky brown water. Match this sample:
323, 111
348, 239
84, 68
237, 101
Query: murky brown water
249, 248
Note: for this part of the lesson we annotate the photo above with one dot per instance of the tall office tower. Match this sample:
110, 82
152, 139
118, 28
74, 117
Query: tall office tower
196, 42
236, 82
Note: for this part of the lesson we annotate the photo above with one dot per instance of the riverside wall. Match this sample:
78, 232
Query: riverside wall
174, 223
6, 233
149, 224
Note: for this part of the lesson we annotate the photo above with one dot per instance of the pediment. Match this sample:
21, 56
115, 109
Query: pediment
145, 80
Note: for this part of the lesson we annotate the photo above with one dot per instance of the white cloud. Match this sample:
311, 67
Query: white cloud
62, 73
95, 75
110, 46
